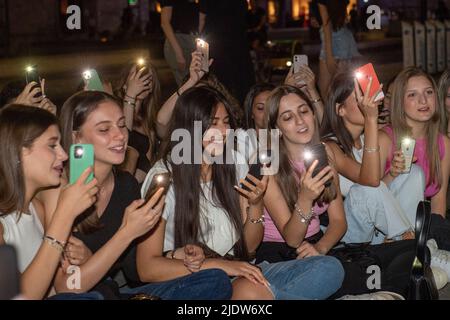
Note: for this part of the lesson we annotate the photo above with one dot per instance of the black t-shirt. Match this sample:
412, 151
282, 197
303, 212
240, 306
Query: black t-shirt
184, 15
226, 20
125, 191
141, 143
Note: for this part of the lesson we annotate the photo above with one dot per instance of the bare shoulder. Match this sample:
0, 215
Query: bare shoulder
384, 138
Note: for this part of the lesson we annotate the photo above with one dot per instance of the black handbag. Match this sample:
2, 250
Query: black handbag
422, 285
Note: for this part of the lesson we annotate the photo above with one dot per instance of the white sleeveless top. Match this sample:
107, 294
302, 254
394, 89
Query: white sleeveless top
217, 229
344, 183
25, 234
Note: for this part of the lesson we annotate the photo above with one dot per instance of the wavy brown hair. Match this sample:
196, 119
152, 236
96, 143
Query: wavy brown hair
20, 126
287, 173
444, 85
74, 114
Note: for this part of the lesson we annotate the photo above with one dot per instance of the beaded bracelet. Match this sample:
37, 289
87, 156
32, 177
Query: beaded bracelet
257, 221
372, 150
306, 219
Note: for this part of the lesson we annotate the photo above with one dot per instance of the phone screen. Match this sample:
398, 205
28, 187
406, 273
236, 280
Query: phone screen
362, 76
81, 157
160, 180
255, 169
316, 152
203, 48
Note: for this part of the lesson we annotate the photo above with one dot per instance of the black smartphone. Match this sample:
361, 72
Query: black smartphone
9, 273
316, 152
160, 180
256, 168
32, 75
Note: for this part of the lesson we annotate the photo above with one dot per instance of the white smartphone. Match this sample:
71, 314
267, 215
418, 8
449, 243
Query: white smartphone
203, 48
407, 146
300, 60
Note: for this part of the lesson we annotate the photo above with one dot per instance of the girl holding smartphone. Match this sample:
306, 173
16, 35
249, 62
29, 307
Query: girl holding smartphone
201, 207
115, 224
32, 160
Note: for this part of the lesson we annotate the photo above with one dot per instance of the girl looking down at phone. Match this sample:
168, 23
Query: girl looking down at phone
108, 232
204, 205
32, 160
295, 197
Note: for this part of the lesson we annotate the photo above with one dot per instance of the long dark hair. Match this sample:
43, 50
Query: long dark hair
200, 104
20, 126
341, 87
249, 123
74, 114
337, 11
285, 177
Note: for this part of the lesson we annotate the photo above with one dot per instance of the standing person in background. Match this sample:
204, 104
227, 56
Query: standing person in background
179, 21
225, 26
338, 44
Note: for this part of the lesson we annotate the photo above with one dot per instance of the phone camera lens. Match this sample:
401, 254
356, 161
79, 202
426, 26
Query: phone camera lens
78, 152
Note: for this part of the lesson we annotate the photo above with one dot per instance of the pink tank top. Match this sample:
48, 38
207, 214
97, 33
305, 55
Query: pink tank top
271, 232
420, 152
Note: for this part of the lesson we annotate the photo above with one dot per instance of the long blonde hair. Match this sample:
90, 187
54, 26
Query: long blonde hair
285, 177
401, 128
444, 84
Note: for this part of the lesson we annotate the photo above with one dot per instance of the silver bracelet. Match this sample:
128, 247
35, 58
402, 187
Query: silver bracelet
372, 150
257, 221
306, 219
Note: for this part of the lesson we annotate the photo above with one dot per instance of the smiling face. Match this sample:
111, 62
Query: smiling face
295, 120
419, 100
258, 109
43, 161
105, 129
215, 137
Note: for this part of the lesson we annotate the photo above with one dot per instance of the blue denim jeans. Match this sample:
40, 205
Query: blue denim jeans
93, 295
211, 284
314, 278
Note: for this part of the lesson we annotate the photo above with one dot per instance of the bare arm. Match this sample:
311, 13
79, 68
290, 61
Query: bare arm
151, 265
202, 21
439, 201
166, 17
131, 159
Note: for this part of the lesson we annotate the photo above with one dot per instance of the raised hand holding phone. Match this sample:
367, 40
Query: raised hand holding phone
363, 75
300, 60
367, 103
203, 48
407, 146
92, 80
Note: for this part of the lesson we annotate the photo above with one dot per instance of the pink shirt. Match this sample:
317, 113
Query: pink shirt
271, 232
420, 152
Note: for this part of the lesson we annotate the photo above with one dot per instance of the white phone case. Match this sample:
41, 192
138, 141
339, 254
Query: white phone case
300, 60
407, 147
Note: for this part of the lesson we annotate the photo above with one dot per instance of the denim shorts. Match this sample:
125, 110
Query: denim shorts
343, 45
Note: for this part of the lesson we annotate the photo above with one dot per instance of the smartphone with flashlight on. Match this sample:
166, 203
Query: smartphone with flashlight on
203, 48
363, 74
160, 180
32, 75
316, 152
81, 158
92, 80
407, 146
142, 65
300, 60
256, 168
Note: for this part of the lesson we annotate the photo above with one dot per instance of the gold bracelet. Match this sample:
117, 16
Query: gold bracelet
54, 243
